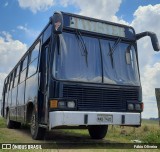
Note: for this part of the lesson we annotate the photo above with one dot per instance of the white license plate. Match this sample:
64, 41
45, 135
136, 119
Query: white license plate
105, 118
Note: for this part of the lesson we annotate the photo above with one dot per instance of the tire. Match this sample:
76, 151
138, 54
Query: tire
37, 132
98, 132
17, 125
9, 123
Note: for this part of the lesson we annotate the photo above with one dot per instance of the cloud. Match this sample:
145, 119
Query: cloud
10, 52
102, 9
36, 5
150, 80
6, 4
146, 18
29, 32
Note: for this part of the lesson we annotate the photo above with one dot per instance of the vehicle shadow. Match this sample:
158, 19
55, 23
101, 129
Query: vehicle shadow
63, 139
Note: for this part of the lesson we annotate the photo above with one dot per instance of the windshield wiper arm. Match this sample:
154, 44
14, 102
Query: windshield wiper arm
83, 45
111, 55
114, 46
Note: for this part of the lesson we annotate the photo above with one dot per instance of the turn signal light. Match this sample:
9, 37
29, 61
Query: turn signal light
53, 103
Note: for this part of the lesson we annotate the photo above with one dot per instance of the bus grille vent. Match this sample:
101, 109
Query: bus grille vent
100, 99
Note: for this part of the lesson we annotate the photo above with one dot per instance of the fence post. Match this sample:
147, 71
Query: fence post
157, 92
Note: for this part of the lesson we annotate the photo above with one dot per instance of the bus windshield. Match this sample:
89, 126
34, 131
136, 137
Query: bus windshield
89, 59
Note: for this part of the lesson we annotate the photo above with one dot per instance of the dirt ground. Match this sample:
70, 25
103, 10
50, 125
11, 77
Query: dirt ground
60, 139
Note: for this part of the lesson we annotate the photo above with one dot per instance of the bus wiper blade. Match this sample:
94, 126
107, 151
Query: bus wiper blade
83, 45
114, 46
111, 55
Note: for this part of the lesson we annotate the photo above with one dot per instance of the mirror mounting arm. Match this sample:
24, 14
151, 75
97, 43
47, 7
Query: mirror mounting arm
153, 37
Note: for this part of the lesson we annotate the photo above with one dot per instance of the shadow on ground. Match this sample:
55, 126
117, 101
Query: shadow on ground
63, 139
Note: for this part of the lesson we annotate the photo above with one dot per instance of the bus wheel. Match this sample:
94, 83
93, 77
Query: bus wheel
98, 132
17, 125
36, 131
10, 123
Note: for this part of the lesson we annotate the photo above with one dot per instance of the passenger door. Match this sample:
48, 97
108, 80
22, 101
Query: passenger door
44, 67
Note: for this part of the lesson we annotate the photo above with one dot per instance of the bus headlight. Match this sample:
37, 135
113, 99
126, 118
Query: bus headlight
130, 106
138, 107
71, 104
61, 104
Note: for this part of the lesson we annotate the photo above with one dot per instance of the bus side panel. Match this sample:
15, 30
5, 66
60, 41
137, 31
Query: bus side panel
13, 107
14, 96
20, 102
5, 104
31, 90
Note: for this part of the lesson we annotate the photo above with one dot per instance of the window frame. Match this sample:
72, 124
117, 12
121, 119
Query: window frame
22, 70
10, 82
37, 58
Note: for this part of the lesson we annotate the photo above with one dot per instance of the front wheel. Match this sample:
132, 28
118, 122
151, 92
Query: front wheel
36, 131
98, 132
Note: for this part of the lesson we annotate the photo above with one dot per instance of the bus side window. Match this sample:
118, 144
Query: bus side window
23, 69
32, 68
7, 87
24, 65
35, 52
16, 76
11, 82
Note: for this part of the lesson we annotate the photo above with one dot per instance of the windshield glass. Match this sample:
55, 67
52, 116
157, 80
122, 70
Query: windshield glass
95, 63
120, 71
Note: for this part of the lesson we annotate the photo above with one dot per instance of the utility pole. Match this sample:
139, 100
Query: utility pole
157, 92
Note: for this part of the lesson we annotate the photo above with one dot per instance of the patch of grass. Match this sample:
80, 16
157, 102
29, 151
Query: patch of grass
149, 132
2, 122
145, 128
151, 137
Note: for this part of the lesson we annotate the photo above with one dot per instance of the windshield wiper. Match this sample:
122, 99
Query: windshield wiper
111, 54
111, 50
83, 45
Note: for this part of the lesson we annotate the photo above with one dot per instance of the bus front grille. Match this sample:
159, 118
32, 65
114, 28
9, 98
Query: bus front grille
100, 98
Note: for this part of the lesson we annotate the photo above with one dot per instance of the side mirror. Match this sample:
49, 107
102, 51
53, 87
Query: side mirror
128, 55
153, 37
57, 21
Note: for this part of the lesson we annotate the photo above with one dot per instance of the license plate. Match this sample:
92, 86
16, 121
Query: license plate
104, 118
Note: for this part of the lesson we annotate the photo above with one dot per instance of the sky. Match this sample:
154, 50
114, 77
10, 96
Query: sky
22, 20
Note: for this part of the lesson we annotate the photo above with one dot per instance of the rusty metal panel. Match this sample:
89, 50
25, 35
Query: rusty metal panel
97, 27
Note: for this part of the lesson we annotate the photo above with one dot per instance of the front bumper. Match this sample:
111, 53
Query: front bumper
77, 118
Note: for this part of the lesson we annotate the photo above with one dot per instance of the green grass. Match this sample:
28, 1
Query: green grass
149, 132
2, 123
